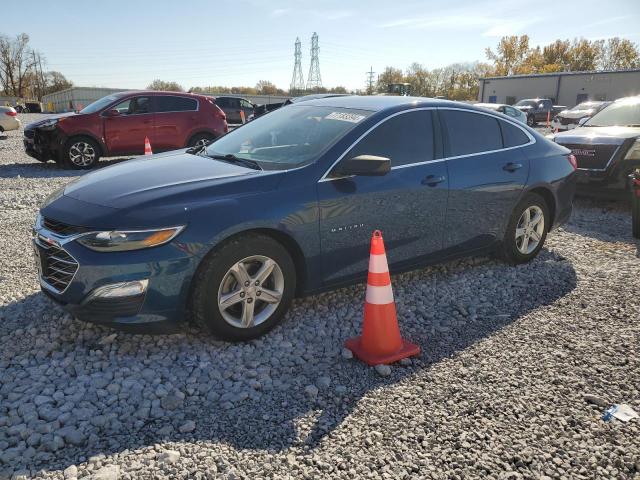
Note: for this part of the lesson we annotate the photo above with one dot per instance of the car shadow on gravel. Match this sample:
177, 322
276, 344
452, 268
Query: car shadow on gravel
49, 169
92, 391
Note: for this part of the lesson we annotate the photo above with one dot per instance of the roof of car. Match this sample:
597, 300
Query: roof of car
379, 102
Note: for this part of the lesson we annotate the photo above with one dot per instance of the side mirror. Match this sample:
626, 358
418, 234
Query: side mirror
363, 165
112, 113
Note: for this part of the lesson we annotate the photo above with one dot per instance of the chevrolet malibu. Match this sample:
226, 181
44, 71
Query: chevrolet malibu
228, 233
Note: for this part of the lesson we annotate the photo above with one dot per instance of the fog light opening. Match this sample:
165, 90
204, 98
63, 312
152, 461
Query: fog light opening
119, 290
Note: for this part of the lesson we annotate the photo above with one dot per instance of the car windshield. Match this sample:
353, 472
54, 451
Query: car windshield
100, 104
621, 113
288, 137
526, 103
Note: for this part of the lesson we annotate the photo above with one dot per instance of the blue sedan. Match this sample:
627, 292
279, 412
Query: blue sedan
229, 233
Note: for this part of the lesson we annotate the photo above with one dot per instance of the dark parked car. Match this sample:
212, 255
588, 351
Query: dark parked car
538, 110
285, 206
607, 147
570, 118
118, 124
233, 107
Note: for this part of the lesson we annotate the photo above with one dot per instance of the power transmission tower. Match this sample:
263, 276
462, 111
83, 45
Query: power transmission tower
314, 81
297, 82
370, 75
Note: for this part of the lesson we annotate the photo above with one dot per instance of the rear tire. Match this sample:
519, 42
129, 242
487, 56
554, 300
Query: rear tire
531, 121
635, 215
231, 299
200, 139
81, 153
527, 230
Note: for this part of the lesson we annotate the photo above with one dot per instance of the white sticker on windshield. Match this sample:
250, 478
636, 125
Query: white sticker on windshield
345, 117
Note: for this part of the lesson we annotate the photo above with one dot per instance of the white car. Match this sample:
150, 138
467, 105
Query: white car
508, 110
8, 119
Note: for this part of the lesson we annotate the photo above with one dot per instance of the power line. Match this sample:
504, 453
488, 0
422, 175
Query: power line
297, 82
314, 80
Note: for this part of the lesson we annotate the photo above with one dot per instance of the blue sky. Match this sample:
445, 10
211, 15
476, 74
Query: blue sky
127, 44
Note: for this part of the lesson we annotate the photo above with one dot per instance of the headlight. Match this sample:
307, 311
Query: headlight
634, 151
49, 123
119, 241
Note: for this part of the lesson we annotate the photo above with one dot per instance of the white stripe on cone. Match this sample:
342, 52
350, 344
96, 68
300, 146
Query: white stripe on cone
379, 295
378, 263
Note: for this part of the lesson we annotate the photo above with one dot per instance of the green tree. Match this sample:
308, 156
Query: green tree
510, 56
389, 76
164, 86
618, 54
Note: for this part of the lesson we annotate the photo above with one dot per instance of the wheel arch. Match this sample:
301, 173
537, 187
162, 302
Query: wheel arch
549, 198
101, 146
283, 238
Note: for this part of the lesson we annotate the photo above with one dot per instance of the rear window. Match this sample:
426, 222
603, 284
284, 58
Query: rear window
175, 104
471, 132
512, 136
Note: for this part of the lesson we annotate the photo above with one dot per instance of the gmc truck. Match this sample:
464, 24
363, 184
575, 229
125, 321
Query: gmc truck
538, 110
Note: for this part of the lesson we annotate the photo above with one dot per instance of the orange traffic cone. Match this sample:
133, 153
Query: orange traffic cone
380, 341
147, 146
549, 119
242, 116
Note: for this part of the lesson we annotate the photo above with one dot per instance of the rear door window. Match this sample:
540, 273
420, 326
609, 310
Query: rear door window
405, 139
171, 103
512, 136
470, 132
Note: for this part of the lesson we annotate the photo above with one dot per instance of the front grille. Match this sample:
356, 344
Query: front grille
62, 228
57, 267
592, 157
567, 121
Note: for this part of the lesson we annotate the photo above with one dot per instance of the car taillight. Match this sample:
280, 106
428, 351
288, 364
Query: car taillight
572, 160
11, 114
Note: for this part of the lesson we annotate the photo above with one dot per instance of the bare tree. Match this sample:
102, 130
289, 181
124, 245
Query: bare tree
17, 64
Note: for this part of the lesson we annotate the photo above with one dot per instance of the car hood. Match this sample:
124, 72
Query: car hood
523, 108
597, 135
167, 179
576, 114
47, 118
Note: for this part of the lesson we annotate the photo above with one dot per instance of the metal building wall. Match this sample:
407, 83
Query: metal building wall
75, 98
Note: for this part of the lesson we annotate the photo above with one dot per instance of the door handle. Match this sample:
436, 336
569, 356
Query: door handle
512, 167
433, 180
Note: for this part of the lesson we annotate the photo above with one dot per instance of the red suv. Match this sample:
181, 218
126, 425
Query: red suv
118, 124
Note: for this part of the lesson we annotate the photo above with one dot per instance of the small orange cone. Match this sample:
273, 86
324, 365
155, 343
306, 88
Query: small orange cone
147, 146
549, 119
380, 341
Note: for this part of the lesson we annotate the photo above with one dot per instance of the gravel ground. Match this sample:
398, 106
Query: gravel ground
517, 367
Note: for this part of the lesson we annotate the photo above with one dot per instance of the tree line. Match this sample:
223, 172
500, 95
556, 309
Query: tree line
514, 56
22, 71
23, 74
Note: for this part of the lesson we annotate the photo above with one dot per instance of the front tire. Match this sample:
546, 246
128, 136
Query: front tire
527, 230
243, 289
81, 153
200, 140
531, 121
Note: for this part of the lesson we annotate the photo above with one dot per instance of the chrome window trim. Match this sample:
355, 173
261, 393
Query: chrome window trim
504, 118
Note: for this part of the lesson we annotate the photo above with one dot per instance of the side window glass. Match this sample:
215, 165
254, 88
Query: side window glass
221, 102
234, 103
171, 103
406, 138
512, 135
140, 105
123, 107
471, 132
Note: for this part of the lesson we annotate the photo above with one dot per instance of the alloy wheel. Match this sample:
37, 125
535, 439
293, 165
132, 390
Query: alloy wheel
82, 154
203, 142
529, 230
250, 291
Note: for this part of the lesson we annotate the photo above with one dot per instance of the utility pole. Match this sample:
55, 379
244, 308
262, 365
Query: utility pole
314, 80
297, 82
370, 75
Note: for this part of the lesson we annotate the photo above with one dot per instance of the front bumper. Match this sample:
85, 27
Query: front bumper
43, 144
165, 271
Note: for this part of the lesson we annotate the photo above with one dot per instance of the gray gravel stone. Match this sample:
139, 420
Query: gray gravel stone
383, 370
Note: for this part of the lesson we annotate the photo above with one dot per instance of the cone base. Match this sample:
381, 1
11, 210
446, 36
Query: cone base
407, 349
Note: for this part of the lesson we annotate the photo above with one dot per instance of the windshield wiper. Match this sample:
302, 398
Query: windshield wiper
231, 158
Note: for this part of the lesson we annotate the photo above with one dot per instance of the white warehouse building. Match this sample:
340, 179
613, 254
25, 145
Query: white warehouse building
563, 88
75, 98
